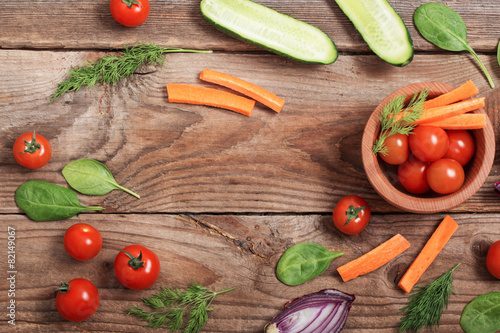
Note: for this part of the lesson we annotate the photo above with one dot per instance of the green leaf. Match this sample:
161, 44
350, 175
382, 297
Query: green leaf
498, 53
444, 27
304, 261
91, 177
43, 201
482, 314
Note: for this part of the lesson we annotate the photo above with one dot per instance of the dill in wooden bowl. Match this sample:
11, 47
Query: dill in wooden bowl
384, 177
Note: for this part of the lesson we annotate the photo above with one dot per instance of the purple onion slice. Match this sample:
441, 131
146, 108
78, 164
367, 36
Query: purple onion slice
322, 312
497, 188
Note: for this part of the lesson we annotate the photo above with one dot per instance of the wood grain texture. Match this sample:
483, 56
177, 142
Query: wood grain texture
56, 24
187, 158
240, 251
223, 195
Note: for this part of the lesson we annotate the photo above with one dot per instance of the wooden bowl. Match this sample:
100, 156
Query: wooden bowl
384, 179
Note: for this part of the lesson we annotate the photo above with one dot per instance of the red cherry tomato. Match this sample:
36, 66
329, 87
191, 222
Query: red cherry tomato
32, 150
412, 175
397, 149
130, 13
493, 259
461, 147
137, 267
351, 214
77, 300
445, 176
428, 143
82, 241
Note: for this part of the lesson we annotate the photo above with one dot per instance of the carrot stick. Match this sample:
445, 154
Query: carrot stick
186, 93
246, 88
374, 259
468, 121
455, 109
466, 90
427, 255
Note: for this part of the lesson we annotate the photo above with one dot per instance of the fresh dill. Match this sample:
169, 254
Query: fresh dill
111, 69
169, 306
395, 118
426, 304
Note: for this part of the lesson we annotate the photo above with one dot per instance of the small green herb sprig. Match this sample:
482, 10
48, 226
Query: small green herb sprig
426, 304
396, 119
169, 307
111, 69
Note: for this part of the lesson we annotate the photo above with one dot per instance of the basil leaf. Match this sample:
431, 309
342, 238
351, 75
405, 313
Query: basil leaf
304, 261
43, 201
91, 177
444, 27
482, 314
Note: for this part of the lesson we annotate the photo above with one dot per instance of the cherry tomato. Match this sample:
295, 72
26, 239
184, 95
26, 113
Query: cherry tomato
461, 147
351, 214
445, 176
137, 267
428, 143
77, 300
82, 241
130, 13
412, 175
397, 149
493, 259
32, 150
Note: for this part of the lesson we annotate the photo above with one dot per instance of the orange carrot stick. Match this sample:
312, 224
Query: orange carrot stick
466, 90
468, 121
455, 109
374, 259
427, 255
246, 88
186, 93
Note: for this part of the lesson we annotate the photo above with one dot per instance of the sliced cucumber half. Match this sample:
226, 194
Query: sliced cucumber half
269, 29
382, 29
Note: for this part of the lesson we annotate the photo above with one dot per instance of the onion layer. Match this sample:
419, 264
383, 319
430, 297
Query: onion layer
322, 312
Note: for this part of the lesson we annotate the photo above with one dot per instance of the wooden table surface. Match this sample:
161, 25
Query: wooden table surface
224, 195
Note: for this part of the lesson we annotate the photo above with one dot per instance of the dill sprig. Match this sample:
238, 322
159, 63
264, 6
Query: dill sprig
396, 119
111, 68
426, 304
170, 305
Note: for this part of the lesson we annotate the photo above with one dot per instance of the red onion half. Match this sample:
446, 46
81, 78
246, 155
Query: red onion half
322, 312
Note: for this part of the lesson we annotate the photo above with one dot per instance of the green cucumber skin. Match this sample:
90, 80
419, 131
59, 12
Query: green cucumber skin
240, 37
403, 62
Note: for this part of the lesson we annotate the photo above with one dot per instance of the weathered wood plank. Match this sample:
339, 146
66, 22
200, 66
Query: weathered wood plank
185, 158
241, 251
89, 25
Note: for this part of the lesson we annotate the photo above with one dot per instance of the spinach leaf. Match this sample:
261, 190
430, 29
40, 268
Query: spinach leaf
304, 261
482, 314
91, 177
43, 201
444, 27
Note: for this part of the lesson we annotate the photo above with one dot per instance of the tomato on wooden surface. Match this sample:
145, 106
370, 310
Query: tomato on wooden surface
136, 267
412, 175
428, 143
462, 146
82, 241
130, 13
351, 214
493, 259
32, 150
398, 149
77, 300
445, 176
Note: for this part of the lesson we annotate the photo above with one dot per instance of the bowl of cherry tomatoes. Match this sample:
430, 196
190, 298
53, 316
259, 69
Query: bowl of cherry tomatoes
419, 178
